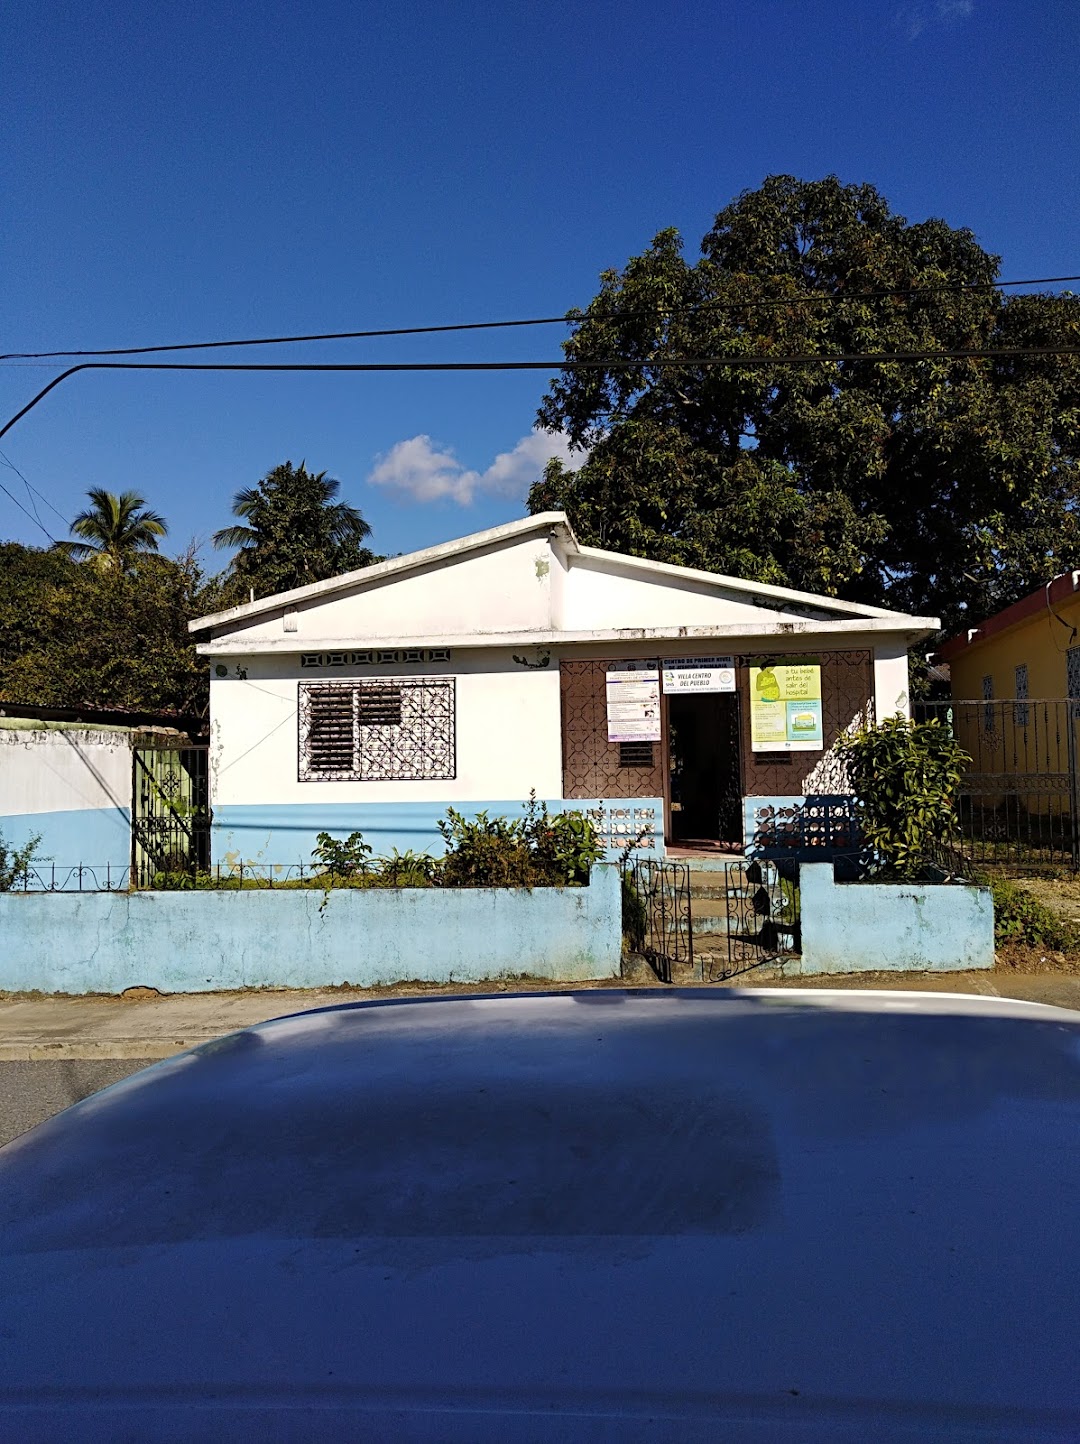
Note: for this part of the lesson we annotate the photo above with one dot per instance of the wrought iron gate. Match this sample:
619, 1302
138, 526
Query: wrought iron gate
657, 914
763, 918
170, 817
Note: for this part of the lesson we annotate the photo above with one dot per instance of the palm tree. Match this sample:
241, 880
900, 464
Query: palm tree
293, 531
115, 529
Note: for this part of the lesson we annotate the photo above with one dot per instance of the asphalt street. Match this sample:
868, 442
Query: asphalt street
30, 1092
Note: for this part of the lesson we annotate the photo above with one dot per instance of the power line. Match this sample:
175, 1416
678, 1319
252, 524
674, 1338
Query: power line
566, 319
663, 364
30, 488
36, 520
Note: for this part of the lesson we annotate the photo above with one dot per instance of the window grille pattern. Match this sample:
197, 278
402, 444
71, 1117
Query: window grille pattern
1020, 710
636, 754
377, 731
1072, 672
988, 697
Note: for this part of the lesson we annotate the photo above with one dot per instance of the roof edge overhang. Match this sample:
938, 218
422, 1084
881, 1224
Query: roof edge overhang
1059, 589
912, 629
547, 521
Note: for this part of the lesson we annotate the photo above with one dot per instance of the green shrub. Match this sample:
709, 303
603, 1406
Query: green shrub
407, 869
15, 862
343, 858
905, 776
536, 851
1021, 918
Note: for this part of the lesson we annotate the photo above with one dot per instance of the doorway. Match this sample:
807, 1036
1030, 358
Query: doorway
704, 772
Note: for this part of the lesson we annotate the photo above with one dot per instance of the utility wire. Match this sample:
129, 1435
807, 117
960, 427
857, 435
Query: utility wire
567, 319
35, 519
40, 494
663, 364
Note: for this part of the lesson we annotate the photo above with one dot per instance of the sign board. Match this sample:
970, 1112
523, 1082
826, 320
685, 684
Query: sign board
633, 703
785, 706
699, 674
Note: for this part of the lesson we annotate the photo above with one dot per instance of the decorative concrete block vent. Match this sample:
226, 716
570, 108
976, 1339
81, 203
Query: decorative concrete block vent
852, 927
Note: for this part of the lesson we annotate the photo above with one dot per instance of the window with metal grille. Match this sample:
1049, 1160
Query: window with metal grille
988, 698
1072, 672
635, 754
1020, 709
371, 731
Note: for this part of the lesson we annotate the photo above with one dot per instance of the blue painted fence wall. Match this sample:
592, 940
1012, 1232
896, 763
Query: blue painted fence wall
852, 927
202, 941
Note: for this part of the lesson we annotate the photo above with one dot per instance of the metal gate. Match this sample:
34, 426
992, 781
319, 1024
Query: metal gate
170, 819
762, 916
656, 905
1018, 804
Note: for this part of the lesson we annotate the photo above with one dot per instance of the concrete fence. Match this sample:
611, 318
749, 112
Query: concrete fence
283, 938
852, 927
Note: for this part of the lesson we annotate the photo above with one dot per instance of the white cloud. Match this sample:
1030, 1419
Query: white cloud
920, 15
418, 467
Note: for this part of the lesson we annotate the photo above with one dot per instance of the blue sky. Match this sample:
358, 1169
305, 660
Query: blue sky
203, 170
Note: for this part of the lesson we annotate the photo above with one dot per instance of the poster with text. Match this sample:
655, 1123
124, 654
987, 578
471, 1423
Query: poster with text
785, 707
633, 703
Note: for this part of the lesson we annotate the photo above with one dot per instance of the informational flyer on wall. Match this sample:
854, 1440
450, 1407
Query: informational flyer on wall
785, 706
699, 674
633, 702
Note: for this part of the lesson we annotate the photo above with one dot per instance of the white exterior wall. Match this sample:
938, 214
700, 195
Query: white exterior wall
45, 769
508, 733
504, 589
70, 787
891, 682
601, 597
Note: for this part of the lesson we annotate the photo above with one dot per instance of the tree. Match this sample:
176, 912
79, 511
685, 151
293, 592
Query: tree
115, 529
293, 532
83, 636
939, 486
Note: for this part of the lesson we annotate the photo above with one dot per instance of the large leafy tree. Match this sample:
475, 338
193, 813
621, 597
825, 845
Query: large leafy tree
114, 530
945, 486
87, 636
293, 531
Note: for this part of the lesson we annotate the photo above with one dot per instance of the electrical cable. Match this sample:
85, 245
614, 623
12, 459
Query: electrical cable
685, 363
566, 319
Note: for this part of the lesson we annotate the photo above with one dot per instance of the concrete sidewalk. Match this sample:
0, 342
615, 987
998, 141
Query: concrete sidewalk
33, 1028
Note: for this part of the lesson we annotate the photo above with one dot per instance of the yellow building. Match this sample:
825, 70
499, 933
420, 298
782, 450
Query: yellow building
1016, 688
1031, 649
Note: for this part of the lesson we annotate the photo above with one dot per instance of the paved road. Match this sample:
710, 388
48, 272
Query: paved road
32, 1092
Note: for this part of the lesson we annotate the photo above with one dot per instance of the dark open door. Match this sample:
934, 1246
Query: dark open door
704, 769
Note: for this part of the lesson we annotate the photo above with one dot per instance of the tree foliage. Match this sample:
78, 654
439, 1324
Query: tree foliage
114, 530
83, 636
293, 531
937, 486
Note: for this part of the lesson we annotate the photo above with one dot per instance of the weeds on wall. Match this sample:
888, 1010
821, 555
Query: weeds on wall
15, 862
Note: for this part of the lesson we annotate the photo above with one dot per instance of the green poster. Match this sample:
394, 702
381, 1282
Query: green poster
785, 707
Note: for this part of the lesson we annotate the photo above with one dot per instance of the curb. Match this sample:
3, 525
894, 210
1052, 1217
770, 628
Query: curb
89, 1051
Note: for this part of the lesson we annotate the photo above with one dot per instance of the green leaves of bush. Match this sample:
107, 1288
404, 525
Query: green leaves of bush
538, 850
905, 775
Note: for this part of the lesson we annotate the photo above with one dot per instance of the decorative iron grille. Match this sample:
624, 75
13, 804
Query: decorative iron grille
763, 920
592, 766
400, 729
659, 925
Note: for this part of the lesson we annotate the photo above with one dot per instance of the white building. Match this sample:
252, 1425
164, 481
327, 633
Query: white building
473, 673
